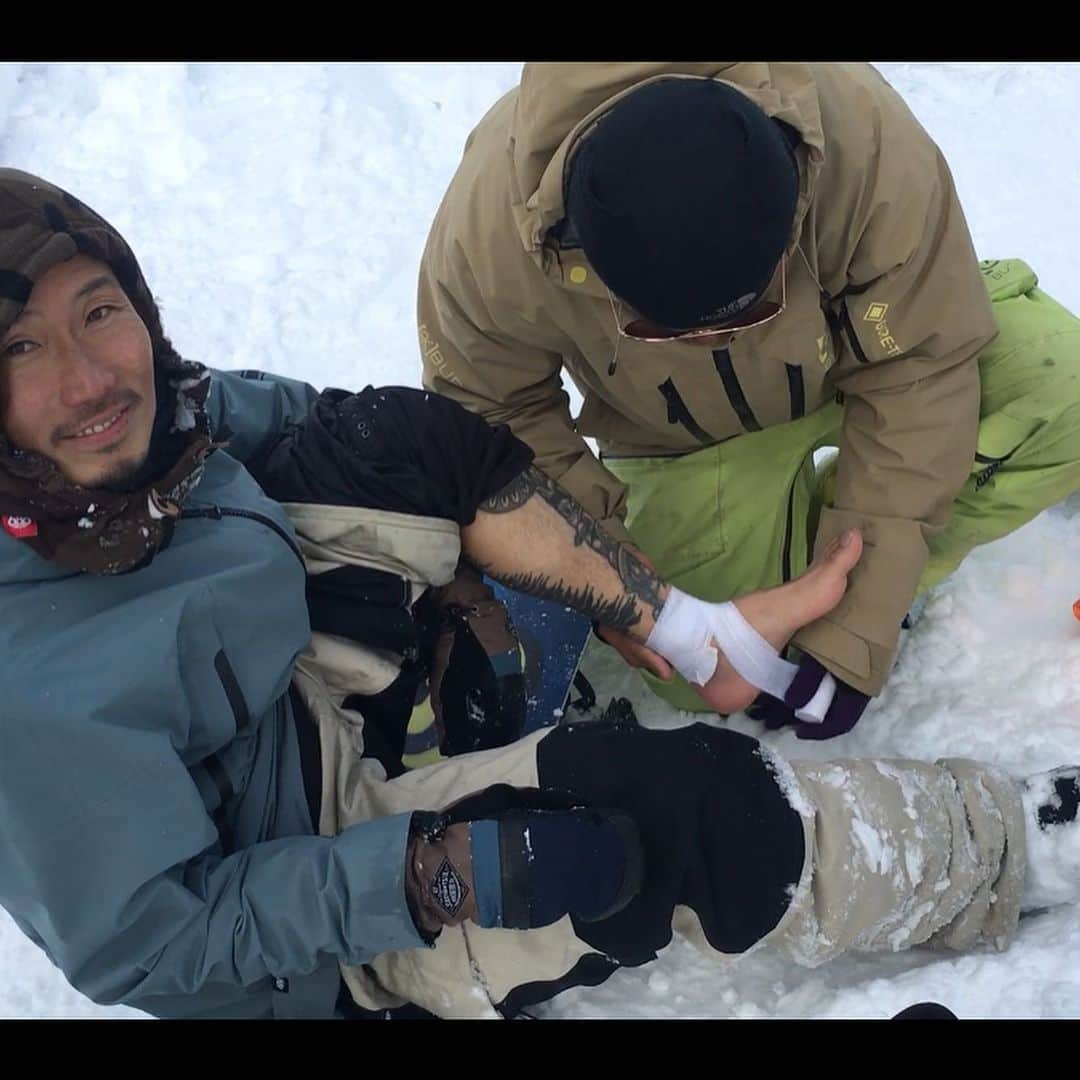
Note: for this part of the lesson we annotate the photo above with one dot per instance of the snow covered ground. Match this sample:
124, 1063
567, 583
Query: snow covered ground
279, 212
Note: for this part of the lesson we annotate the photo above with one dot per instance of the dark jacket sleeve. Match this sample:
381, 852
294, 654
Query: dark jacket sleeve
395, 448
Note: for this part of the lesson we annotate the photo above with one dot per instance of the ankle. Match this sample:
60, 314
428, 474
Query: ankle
689, 630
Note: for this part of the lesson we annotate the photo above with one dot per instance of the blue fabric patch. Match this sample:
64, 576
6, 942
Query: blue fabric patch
487, 872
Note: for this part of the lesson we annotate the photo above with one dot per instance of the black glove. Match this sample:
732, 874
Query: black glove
514, 858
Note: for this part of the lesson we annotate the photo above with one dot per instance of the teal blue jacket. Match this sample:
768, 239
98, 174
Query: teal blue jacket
155, 841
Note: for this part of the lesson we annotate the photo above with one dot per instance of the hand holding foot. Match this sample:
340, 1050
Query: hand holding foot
694, 629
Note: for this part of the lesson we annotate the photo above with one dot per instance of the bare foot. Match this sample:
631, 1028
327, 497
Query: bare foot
777, 613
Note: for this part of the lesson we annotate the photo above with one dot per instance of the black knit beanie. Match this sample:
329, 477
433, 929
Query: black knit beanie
683, 199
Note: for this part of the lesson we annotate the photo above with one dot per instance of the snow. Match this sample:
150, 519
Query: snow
279, 212
1053, 853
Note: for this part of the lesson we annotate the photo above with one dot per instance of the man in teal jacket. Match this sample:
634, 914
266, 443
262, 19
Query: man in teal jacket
188, 832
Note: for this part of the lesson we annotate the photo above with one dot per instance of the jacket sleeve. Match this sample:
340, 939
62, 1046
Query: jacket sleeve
109, 861
485, 364
913, 318
255, 408
394, 448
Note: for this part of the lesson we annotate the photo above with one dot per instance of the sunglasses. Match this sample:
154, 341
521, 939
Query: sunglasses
639, 329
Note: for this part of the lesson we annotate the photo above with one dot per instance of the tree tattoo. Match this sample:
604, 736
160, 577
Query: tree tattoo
641, 585
516, 494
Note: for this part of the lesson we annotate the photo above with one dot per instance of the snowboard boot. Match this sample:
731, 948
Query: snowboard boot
1051, 800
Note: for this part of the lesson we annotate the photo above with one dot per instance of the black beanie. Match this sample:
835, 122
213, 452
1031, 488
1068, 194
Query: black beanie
684, 199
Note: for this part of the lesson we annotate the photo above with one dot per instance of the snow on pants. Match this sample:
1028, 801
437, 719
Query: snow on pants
742, 850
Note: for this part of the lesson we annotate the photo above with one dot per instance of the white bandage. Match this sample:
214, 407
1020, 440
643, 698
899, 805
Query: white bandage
813, 712
684, 635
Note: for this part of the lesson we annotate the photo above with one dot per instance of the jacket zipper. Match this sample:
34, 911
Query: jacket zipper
227, 677
796, 391
726, 370
992, 465
785, 564
849, 330
678, 413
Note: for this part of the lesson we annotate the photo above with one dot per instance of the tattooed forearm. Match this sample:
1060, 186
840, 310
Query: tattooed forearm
640, 582
621, 614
